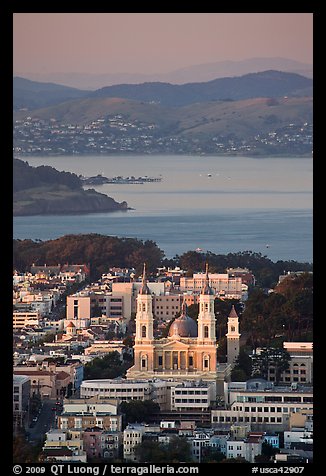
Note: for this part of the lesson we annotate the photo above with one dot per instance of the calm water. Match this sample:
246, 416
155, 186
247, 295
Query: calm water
220, 204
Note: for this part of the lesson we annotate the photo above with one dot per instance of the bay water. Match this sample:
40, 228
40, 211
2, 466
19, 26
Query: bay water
217, 204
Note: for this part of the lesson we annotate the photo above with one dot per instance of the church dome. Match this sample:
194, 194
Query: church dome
183, 326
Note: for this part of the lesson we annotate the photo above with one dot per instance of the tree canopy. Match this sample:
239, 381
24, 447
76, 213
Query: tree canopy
109, 366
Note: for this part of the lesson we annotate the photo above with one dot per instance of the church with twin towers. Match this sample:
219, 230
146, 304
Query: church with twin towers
189, 352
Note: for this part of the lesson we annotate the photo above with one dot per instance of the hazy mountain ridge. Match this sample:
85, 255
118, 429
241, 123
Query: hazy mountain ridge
265, 84
32, 95
187, 74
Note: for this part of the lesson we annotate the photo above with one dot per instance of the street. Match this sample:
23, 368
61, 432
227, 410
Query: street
45, 421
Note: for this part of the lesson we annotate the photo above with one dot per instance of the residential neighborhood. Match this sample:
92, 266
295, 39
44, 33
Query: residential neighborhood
113, 134
70, 333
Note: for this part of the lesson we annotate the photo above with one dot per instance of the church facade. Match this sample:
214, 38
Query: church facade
189, 352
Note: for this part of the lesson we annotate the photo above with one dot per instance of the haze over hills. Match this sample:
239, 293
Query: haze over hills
34, 95
189, 74
265, 84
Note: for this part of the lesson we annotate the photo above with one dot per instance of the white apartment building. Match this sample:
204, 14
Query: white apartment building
126, 390
265, 410
21, 395
248, 448
192, 395
132, 436
297, 435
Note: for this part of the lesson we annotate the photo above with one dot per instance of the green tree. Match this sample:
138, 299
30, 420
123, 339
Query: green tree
138, 411
270, 359
150, 452
239, 459
211, 455
178, 450
109, 366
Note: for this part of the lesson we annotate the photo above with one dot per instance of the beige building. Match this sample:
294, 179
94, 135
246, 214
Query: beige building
105, 347
167, 306
91, 412
78, 307
64, 445
224, 285
23, 319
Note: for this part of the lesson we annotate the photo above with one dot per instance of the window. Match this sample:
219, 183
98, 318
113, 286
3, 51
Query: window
143, 331
160, 360
143, 364
16, 389
205, 331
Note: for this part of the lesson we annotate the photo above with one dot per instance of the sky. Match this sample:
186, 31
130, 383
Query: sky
154, 42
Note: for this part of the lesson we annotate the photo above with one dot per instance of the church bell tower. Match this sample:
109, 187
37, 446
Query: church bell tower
233, 337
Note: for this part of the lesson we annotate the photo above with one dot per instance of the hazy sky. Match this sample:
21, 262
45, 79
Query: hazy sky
153, 42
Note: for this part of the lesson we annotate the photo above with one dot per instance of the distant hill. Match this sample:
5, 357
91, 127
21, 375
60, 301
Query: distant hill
188, 74
264, 84
45, 190
33, 95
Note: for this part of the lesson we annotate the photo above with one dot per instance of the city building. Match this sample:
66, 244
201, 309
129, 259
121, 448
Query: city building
99, 443
64, 445
266, 408
224, 285
21, 396
89, 413
23, 319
